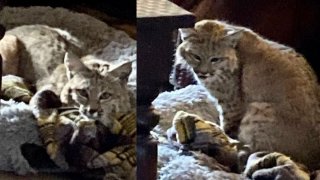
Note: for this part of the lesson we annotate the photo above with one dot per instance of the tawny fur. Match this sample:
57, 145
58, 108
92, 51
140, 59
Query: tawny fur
49, 58
267, 91
9, 54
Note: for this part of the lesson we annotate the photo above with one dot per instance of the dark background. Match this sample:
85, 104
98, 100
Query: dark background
124, 9
120, 14
295, 23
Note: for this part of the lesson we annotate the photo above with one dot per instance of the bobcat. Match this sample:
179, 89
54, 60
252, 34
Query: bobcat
48, 58
268, 92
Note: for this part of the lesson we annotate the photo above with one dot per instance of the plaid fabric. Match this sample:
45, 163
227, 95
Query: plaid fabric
13, 87
193, 133
60, 129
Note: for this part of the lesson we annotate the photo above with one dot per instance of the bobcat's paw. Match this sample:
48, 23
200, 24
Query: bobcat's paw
264, 165
57, 156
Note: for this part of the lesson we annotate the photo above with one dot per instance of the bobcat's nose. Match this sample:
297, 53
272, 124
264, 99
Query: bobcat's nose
92, 112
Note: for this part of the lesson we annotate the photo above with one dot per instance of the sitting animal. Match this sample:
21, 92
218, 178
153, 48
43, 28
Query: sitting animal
268, 93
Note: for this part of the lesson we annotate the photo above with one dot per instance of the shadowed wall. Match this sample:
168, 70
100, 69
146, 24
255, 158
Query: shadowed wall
291, 22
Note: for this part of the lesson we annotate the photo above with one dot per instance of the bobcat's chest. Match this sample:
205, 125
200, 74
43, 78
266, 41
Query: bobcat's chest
226, 87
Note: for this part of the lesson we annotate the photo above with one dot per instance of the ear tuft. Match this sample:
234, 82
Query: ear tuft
186, 33
212, 28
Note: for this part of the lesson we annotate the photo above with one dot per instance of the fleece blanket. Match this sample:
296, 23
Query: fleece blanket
174, 134
171, 163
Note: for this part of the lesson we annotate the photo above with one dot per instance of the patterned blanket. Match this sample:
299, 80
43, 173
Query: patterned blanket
74, 140
199, 149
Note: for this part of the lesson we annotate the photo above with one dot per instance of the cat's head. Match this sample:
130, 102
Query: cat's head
209, 47
99, 88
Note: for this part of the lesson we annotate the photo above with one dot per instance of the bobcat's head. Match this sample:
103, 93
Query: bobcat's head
210, 49
99, 88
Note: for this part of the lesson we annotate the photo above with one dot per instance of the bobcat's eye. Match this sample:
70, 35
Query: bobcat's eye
215, 59
105, 96
82, 92
196, 57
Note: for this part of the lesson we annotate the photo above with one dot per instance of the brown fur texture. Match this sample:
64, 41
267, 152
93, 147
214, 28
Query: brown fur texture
9, 54
49, 58
264, 165
267, 91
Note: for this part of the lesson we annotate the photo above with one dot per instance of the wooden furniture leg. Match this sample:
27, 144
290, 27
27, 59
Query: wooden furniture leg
2, 31
156, 22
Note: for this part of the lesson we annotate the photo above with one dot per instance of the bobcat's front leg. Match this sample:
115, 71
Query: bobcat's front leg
259, 118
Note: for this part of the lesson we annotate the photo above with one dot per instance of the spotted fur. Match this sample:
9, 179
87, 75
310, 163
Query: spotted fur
215, 64
53, 59
268, 92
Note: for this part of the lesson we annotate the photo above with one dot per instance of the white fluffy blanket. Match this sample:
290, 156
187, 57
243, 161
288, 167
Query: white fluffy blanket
192, 99
171, 164
17, 127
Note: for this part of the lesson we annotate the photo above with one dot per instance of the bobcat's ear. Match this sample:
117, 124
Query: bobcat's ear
73, 64
65, 96
233, 36
186, 33
121, 71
